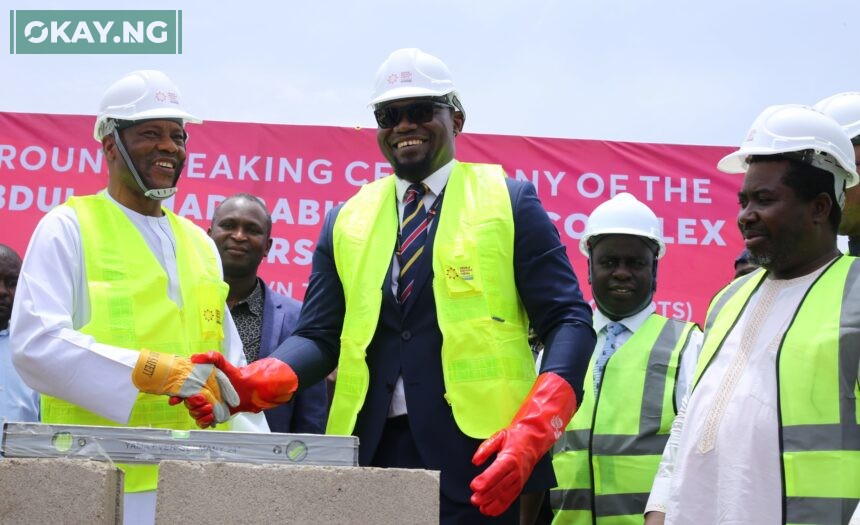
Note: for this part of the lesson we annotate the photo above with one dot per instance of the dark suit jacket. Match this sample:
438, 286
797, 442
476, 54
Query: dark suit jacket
408, 343
308, 411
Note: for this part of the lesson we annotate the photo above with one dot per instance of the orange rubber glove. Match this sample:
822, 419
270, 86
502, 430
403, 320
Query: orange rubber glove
263, 384
536, 427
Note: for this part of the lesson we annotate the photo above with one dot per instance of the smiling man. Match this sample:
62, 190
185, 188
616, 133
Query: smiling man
110, 277
769, 433
422, 290
642, 365
242, 231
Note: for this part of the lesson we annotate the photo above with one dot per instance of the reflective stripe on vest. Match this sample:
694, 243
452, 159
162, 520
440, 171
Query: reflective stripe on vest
487, 365
129, 308
817, 362
618, 440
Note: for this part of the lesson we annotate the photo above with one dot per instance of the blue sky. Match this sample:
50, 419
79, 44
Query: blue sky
664, 71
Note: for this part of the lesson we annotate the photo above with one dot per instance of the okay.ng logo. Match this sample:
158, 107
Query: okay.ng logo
95, 32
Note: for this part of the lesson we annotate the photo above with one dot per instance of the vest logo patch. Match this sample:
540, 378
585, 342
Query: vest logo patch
463, 272
212, 314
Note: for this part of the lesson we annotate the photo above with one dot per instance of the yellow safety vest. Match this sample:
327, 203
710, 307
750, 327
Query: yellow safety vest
607, 458
816, 367
487, 365
129, 308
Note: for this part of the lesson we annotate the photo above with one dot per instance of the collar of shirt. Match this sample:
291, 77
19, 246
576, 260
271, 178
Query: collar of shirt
436, 182
4, 333
129, 211
255, 300
631, 323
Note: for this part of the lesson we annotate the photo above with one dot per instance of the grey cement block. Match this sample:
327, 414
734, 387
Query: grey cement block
67, 491
205, 493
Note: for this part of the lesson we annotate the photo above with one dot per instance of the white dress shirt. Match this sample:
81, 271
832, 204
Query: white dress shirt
722, 461
435, 183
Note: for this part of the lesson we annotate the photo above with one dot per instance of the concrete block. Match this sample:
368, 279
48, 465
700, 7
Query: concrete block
39, 491
205, 493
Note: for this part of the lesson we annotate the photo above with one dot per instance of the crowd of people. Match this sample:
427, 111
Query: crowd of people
424, 289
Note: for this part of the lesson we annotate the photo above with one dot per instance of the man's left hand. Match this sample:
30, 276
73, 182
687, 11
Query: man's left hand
536, 427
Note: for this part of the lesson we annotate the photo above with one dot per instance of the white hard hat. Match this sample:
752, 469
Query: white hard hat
795, 128
140, 95
410, 73
844, 108
625, 215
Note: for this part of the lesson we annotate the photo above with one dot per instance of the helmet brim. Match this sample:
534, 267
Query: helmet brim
736, 162
157, 113
617, 230
733, 162
407, 92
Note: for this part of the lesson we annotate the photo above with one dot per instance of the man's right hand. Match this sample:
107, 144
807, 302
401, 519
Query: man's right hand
178, 377
263, 384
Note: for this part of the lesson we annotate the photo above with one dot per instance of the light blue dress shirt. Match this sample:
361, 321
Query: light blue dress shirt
18, 402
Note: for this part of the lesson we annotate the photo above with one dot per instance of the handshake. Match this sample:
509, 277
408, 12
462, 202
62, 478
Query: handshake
212, 388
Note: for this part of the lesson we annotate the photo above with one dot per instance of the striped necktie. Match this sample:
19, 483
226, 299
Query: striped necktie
413, 235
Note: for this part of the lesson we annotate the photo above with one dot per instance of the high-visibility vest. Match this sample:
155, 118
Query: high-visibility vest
488, 367
816, 366
129, 308
607, 458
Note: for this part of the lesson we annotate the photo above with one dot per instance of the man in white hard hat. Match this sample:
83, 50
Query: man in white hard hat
429, 326
116, 291
844, 108
641, 367
769, 432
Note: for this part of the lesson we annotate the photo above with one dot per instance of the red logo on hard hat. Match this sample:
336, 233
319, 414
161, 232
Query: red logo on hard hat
168, 96
406, 76
392, 78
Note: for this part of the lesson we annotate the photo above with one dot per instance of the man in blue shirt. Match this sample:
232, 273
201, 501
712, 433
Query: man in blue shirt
18, 402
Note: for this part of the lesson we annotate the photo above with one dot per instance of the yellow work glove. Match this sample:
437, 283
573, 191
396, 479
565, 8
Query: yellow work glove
171, 375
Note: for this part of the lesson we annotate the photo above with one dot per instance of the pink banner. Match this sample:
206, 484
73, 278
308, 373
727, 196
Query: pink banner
303, 171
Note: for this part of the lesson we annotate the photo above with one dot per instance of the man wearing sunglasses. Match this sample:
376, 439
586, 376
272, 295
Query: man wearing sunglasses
422, 291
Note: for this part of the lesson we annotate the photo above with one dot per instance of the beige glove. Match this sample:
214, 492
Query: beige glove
171, 375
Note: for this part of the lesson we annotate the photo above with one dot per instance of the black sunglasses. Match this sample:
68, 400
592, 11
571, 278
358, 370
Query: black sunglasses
417, 113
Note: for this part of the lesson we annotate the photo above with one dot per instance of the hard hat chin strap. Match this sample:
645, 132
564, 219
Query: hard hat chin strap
840, 191
160, 194
157, 194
